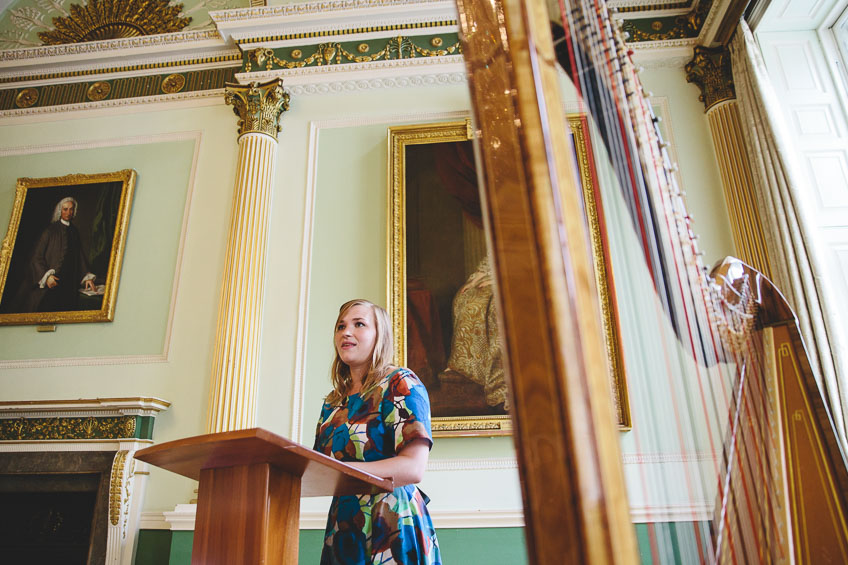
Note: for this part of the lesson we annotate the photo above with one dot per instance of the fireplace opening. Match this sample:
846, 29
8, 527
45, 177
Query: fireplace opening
54, 507
47, 518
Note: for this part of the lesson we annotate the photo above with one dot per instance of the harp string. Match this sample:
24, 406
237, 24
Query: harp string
714, 387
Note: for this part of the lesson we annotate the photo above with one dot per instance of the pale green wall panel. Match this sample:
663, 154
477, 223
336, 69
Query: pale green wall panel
164, 143
144, 294
697, 161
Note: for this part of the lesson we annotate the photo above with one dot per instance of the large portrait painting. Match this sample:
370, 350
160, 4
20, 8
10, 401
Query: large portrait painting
61, 259
441, 292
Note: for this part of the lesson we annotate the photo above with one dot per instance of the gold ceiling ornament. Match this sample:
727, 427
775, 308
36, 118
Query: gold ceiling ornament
258, 106
26, 98
98, 91
115, 19
173, 83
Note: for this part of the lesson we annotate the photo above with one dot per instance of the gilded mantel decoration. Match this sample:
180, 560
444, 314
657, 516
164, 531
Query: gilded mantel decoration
258, 106
710, 69
114, 19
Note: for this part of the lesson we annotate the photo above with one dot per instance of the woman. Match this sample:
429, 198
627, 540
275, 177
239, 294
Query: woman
377, 418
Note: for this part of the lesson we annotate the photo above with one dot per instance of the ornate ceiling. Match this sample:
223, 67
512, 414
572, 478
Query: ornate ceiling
31, 23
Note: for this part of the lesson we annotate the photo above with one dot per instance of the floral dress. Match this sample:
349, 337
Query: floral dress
384, 528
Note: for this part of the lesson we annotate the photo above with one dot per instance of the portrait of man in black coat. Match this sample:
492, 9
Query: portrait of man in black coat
58, 268
61, 259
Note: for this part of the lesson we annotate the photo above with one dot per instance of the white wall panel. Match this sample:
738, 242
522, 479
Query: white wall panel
795, 14
815, 120
798, 68
829, 176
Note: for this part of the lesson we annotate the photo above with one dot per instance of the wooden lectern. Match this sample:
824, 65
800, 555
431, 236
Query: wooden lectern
251, 481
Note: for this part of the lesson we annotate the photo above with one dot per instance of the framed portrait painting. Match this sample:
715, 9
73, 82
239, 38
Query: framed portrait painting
60, 261
441, 289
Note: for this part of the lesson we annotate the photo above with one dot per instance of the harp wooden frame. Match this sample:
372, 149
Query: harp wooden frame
400, 137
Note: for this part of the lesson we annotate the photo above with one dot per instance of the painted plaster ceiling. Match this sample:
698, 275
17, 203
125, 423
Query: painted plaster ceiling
31, 23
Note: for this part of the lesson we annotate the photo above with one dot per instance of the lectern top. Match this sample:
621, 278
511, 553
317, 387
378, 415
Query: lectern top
320, 475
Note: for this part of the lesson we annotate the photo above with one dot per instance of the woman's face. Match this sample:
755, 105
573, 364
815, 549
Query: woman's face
356, 336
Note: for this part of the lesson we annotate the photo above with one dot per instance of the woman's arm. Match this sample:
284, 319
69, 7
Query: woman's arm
405, 468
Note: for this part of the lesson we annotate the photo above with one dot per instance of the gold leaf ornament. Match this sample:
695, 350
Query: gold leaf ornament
114, 19
173, 83
26, 98
98, 91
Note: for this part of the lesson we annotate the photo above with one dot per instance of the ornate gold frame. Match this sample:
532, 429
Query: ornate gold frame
579, 126
402, 136
107, 311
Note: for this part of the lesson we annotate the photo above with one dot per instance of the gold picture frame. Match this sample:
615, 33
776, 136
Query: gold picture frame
69, 228
432, 267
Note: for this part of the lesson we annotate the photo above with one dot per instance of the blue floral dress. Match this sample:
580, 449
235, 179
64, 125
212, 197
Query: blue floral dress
385, 528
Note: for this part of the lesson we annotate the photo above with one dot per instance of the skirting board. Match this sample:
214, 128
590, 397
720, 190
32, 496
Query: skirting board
182, 518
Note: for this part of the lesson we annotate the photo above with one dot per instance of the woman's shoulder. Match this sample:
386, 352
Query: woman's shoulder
402, 378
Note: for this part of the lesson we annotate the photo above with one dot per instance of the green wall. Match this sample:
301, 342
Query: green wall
660, 543
480, 546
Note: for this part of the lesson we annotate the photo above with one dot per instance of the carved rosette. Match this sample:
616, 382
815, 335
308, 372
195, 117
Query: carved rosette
258, 106
710, 69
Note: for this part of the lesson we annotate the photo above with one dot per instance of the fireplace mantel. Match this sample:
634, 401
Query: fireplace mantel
119, 426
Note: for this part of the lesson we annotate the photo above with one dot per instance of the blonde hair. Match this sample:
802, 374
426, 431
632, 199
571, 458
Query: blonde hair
381, 357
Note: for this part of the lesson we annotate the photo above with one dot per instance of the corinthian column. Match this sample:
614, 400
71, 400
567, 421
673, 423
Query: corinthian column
710, 70
232, 403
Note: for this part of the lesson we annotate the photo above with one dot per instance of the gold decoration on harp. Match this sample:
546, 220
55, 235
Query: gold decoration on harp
115, 487
115, 19
71, 428
734, 309
710, 69
258, 106
399, 47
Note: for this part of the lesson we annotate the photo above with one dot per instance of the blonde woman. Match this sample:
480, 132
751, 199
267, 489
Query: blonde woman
377, 418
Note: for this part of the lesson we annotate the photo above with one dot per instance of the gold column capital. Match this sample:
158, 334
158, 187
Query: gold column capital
258, 106
710, 69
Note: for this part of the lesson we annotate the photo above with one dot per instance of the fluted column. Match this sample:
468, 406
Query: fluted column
232, 403
710, 70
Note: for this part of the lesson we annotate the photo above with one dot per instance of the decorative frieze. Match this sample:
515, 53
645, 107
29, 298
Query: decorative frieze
668, 27
115, 89
338, 53
68, 428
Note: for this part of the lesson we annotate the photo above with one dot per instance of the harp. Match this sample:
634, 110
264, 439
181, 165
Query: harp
760, 463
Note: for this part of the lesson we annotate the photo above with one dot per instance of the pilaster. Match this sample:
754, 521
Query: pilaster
710, 70
235, 364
